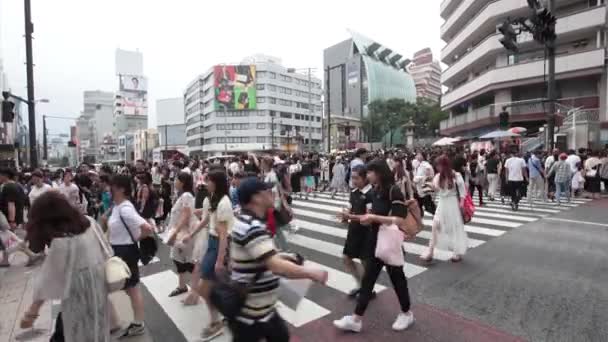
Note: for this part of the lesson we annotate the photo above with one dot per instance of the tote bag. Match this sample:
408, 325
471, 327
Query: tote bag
388, 246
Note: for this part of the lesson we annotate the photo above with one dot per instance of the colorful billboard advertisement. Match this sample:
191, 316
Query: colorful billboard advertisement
235, 87
133, 83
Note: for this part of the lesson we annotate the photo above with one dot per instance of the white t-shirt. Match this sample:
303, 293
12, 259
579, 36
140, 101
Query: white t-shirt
223, 213
185, 200
234, 167
118, 231
573, 160
72, 193
35, 192
515, 166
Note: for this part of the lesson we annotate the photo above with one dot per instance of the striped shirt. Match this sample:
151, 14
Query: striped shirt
251, 246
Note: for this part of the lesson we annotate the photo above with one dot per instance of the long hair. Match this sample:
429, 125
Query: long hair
385, 176
219, 179
446, 175
398, 170
52, 216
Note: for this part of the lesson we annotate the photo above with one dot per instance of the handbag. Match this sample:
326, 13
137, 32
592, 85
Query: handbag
116, 270
467, 208
388, 245
413, 220
229, 296
146, 247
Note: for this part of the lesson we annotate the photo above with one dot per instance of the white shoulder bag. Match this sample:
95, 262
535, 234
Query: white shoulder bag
117, 271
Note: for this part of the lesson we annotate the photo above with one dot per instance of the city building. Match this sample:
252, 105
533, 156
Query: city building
483, 77
254, 106
171, 127
144, 141
427, 75
94, 123
126, 147
109, 149
131, 101
357, 72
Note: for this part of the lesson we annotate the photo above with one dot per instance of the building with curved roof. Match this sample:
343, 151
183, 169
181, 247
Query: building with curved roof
359, 71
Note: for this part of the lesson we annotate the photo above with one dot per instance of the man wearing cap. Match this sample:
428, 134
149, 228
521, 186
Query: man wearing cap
39, 187
252, 252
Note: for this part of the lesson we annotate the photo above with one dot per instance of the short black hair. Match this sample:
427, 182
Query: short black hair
8, 172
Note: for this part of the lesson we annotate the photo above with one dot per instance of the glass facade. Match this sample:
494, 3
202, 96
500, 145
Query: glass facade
385, 82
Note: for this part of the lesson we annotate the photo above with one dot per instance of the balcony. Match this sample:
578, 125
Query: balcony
448, 6
529, 110
578, 64
460, 16
567, 27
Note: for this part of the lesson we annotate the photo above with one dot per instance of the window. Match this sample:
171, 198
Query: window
261, 139
272, 87
287, 103
273, 100
261, 100
298, 117
286, 115
260, 74
286, 78
261, 126
272, 75
318, 119
273, 113
261, 113
287, 91
260, 87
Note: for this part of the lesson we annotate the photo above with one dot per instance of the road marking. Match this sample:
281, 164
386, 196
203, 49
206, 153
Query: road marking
332, 249
307, 311
580, 222
190, 320
339, 280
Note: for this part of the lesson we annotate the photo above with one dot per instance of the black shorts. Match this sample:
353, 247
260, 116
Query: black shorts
357, 241
130, 255
183, 267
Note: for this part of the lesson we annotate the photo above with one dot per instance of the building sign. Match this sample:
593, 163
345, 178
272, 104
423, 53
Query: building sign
234, 87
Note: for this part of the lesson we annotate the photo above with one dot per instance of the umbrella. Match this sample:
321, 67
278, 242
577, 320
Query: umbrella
445, 141
518, 130
499, 134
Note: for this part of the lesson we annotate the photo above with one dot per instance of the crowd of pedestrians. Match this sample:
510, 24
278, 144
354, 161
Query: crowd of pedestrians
226, 222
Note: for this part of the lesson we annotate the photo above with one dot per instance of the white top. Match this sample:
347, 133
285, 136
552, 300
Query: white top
577, 180
156, 175
118, 231
223, 213
36, 191
72, 193
590, 164
185, 200
573, 160
549, 162
180, 251
234, 167
515, 167
423, 172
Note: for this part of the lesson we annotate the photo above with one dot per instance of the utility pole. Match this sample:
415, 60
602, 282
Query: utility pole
551, 91
166, 143
272, 132
29, 62
328, 108
44, 143
310, 112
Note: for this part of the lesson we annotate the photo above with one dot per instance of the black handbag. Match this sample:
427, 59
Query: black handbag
147, 246
229, 296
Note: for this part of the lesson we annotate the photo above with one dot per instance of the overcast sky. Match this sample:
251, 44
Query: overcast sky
75, 40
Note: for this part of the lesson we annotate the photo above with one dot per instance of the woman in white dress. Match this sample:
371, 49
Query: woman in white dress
448, 227
338, 183
73, 271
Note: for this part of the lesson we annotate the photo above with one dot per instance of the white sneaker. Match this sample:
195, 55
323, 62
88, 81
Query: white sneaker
403, 321
348, 323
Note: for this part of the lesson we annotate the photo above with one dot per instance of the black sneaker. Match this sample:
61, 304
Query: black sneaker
134, 329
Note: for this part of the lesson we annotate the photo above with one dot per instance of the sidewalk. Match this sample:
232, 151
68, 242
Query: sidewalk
16, 295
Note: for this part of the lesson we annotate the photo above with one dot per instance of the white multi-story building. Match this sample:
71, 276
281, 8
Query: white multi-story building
427, 75
482, 76
131, 102
281, 120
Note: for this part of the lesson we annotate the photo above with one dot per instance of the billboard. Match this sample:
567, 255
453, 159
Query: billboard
234, 87
133, 83
134, 104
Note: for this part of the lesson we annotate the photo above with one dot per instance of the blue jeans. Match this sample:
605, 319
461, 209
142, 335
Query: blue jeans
560, 188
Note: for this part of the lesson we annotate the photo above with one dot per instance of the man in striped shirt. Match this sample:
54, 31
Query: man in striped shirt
252, 253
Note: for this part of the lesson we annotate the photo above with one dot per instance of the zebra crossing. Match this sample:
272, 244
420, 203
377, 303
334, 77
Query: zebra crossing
320, 238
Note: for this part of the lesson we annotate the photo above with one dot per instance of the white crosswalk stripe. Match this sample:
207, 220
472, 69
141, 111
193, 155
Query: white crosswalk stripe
320, 239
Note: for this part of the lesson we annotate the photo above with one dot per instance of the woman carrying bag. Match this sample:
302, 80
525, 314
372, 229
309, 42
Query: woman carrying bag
388, 208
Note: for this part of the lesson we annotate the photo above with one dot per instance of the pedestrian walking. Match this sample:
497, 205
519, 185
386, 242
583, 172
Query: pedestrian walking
592, 174
387, 208
338, 182
515, 168
73, 271
423, 178
493, 168
448, 225
536, 184
562, 173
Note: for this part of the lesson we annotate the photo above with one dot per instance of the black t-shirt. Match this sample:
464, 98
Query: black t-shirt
492, 165
382, 205
11, 192
307, 168
251, 167
83, 181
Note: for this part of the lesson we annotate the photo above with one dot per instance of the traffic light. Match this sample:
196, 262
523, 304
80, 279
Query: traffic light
71, 144
503, 119
8, 108
533, 4
509, 39
544, 25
